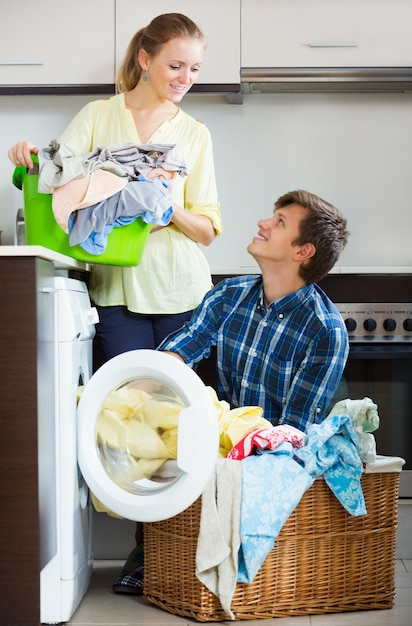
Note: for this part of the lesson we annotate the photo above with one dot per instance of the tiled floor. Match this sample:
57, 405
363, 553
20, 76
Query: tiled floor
101, 607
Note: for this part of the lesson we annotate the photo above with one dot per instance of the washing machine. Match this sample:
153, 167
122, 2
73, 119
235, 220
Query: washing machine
66, 508
139, 439
148, 436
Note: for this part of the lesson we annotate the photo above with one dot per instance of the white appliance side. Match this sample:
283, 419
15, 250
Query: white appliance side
65, 578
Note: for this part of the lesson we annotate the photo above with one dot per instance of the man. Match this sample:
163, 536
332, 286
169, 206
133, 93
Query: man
281, 343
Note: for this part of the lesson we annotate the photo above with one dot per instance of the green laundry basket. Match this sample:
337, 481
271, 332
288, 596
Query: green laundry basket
125, 244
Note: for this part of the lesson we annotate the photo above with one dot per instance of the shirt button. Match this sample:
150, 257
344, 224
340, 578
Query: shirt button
281, 316
318, 410
264, 323
253, 353
245, 383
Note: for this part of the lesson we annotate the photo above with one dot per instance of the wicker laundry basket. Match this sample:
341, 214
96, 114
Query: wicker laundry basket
323, 561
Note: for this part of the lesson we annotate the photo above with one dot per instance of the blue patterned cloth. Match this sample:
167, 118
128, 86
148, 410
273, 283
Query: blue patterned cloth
332, 451
272, 485
274, 482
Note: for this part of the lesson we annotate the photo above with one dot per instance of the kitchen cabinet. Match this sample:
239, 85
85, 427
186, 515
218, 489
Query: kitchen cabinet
50, 43
219, 21
50, 48
27, 418
326, 33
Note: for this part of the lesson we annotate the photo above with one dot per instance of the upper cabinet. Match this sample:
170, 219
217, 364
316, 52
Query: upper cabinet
78, 47
326, 33
53, 43
219, 21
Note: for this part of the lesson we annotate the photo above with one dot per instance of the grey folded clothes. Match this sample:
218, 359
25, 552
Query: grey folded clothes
58, 164
138, 159
148, 199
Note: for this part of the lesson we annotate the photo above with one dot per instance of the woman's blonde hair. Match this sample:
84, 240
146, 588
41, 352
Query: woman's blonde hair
160, 31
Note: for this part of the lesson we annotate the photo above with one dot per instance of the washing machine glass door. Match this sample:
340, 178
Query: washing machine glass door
148, 435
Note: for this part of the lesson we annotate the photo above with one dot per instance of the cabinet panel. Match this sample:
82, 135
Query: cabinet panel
26, 414
53, 43
326, 33
219, 21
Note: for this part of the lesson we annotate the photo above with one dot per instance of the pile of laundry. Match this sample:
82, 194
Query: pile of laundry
246, 503
107, 188
136, 435
260, 476
131, 420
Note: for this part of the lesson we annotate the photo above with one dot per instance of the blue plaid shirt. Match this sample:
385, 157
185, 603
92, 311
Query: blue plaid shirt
287, 359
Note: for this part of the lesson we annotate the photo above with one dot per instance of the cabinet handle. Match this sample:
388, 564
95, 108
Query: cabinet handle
332, 45
21, 63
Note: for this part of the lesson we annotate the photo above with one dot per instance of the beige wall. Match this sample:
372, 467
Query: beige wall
353, 149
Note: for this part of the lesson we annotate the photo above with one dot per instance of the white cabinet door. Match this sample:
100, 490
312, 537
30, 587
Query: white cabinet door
219, 21
326, 33
56, 43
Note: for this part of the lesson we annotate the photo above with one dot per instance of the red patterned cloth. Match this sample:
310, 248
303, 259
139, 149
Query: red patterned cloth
267, 439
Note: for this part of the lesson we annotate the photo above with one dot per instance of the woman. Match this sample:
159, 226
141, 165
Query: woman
139, 306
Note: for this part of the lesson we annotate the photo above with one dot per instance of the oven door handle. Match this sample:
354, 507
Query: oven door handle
380, 350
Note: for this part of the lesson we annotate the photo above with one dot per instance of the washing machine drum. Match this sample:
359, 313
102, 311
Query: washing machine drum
148, 435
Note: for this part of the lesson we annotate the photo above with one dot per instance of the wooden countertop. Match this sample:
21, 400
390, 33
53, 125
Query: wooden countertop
61, 261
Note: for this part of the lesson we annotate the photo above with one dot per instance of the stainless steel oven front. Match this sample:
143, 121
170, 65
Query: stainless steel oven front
379, 367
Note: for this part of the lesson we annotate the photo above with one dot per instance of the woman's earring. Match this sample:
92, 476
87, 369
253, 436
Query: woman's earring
145, 78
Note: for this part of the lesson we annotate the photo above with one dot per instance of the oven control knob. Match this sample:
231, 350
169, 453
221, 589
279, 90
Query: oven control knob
369, 324
407, 324
389, 324
350, 324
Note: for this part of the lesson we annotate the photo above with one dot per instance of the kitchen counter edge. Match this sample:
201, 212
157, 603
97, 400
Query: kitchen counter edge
61, 261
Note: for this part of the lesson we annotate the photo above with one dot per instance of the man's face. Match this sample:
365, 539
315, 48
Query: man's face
274, 241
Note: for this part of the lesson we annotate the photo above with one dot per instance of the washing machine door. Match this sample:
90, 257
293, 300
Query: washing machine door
148, 435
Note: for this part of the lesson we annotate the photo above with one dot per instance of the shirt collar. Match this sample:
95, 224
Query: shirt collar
288, 303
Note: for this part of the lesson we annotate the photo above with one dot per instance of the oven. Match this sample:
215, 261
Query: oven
379, 367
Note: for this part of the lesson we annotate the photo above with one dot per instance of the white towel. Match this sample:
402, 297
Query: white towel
219, 535
385, 464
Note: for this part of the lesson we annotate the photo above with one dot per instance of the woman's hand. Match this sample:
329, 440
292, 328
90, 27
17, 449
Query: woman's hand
197, 227
20, 153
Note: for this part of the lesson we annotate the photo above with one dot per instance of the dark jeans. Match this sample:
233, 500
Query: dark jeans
119, 330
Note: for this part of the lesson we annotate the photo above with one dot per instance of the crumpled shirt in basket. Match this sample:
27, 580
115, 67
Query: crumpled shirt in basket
148, 199
274, 482
332, 451
365, 419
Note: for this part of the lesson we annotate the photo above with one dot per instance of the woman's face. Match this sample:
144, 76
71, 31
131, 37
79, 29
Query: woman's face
172, 72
